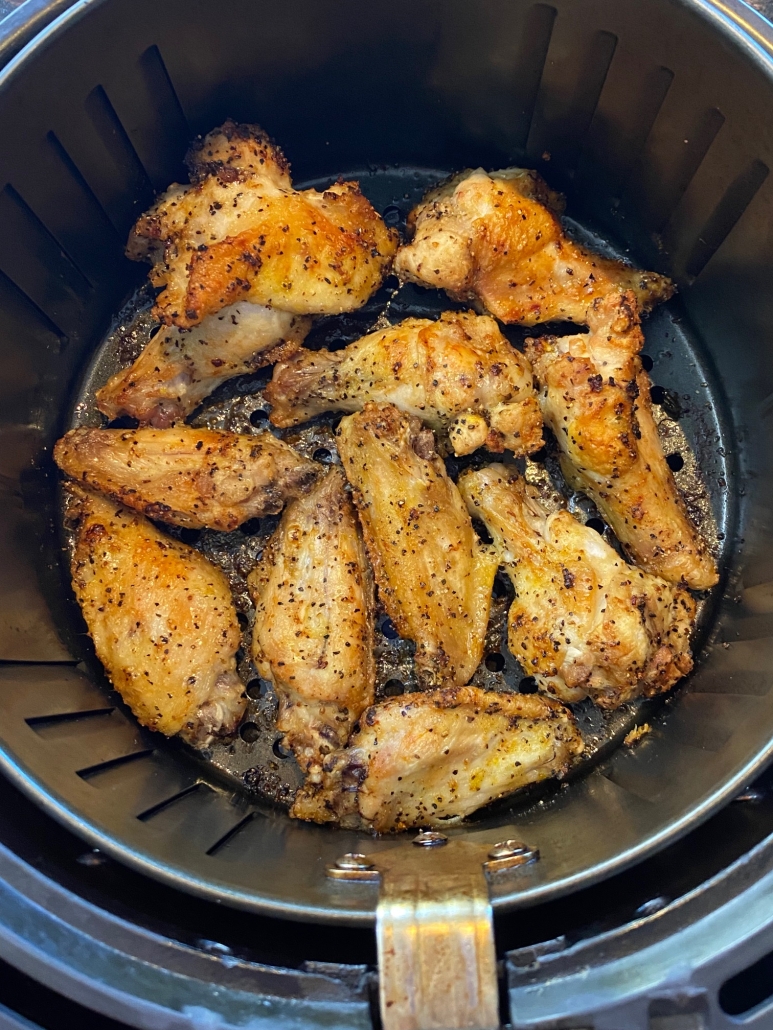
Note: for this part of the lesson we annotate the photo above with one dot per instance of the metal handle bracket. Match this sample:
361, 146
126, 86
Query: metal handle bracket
434, 929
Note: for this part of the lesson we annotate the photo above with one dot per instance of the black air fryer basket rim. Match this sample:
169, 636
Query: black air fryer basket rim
750, 34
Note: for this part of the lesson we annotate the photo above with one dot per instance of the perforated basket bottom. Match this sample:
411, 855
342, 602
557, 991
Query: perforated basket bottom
255, 762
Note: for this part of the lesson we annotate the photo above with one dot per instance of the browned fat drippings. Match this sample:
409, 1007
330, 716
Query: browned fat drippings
255, 760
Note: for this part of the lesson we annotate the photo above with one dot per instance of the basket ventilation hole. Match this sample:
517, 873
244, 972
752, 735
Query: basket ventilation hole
393, 688
249, 732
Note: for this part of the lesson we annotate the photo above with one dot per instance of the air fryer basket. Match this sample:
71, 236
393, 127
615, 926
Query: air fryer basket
655, 120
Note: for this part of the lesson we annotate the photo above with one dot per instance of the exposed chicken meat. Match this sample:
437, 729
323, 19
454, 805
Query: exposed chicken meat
179, 368
494, 239
583, 622
430, 759
241, 232
199, 478
433, 575
313, 633
161, 618
458, 374
595, 396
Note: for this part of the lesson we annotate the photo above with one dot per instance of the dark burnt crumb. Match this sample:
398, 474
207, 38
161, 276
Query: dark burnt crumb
269, 785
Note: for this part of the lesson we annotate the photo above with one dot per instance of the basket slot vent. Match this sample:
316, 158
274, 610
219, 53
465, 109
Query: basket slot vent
198, 819
126, 175
674, 152
559, 129
17, 310
161, 806
36, 721
68, 206
736, 199
92, 771
147, 107
229, 836
632, 97
529, 66
38, 265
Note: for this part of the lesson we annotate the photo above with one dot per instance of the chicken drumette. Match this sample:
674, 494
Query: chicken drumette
430, 759
433, 575
241, 232
161, 618
200, 478
595, 396
583, 622
313, 633
494, 239
458, 374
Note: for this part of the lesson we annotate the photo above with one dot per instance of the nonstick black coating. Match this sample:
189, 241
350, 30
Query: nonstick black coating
690, 427
615, 104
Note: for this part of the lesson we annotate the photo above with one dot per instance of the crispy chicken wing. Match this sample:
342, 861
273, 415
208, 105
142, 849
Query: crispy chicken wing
430, 759
161, 618
179, 368
458, 374
313, 633
595, 396
199, 478
241, 232
494, 239
583, 622
434, 576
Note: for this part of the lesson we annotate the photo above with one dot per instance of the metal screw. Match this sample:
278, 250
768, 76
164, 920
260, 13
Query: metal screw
430, 839
509, 849
353, 861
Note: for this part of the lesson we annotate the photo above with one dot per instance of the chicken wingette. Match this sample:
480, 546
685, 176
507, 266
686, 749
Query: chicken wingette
494, 240
179, 368
199, 478
583, 622
241, 232
430, 759
434, 577
458, 374
595, 396
313, 632
161, 617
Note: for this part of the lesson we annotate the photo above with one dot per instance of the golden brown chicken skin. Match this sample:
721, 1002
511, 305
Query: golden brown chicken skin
433, 575
161, 618
583, 622
595, 396
458, 374
431, 759
200, 478
178, 368
241, 232
313, 632
494, 240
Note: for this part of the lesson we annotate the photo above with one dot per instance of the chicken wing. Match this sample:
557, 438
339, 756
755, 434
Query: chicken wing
199, 478
241, 232
583, 622
313, 633
430, 759
595, 396
494, 240
179, 368
434, 576
161, 618
458, 374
